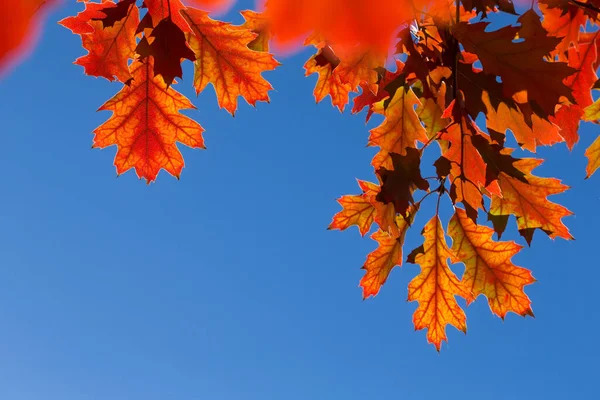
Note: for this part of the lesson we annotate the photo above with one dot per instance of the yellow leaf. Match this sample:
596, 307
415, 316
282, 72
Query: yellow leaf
489, 270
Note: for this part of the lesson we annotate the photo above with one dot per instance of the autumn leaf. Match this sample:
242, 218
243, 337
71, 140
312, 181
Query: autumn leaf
110, 48
371, 95
520, 65
168, 48
529, 203
19, 25
356, 210
388, 254
564, 23
468, 169
343, 24
80, 23
540, 132
258, 24
324, 63
593, 155
436, 286
224, 59
401, 128
489, 270
115, 13
146, 124
163, 9
398, 184
582, 59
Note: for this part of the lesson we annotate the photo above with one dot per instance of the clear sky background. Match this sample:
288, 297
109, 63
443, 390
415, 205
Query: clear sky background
226, 285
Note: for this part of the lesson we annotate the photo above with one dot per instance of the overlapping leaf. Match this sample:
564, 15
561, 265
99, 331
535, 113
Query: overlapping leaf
388, 254
489, 270
529, 203
110, 47
224, 59
520, 64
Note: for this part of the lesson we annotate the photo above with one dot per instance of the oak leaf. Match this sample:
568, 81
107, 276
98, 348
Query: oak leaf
529, 135
520, 65
388, 254
529, 203
356, 209
110, 48
146, 124
324, 63
258, 24
568, 116
163, 9
436, 286
80, 23
468, 170
115, 13
401, 128
224, 59
368, 96
564, 23
169, 48
398, 184
593, 155
489, 270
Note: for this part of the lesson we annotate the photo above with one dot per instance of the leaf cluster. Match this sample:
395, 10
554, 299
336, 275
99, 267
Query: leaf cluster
450, 74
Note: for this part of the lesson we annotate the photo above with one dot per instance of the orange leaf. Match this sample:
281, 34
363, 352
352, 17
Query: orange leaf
436, 286
369, 96
146, 124
564, 26
18, 28
329, 83
401, 128
529, 203
257, 23
582, 58
110, 48
489, 270
387, 255
80, 23
224, 59
161, 9
593, 155
357, 210
468, 169
540, 132
343, 23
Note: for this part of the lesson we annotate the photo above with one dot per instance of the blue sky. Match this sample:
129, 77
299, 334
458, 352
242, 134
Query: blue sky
226, 285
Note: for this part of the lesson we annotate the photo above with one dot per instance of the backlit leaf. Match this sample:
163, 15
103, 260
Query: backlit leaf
520, 65
529, 203
110, 48
224, 59
489, 270
401, 128
593, 155
146, 124
356, 210
436, 286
